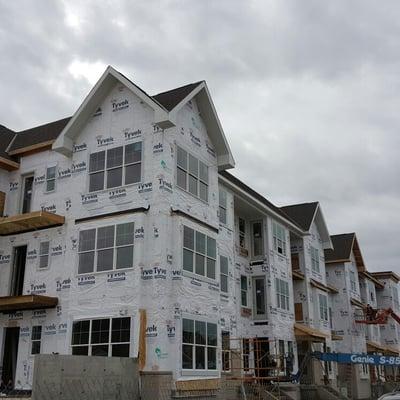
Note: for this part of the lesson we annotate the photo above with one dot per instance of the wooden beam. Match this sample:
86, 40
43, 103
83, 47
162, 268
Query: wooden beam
26, 302
8, 165
142, 339
33, 148
297, 275
29, 222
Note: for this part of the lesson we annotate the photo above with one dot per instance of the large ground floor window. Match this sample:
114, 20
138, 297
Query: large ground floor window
108, 337
199, 345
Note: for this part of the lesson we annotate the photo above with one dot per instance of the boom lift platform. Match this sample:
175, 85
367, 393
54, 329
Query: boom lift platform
377, 317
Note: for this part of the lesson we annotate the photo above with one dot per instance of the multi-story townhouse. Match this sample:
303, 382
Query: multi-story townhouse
342, 266
311, 291
255, 236
111, 212
121, 224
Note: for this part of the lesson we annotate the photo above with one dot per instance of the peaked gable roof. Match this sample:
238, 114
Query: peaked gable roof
343, 245
171, 98
303, 213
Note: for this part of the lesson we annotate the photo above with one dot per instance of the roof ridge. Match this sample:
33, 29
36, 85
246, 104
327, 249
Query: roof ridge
177, 88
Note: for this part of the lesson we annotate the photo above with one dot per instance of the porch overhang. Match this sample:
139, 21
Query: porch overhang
306, 333
26, 302
297, 275
321, 286
29, 222
334, 336
357, 303
373, 347
391, 351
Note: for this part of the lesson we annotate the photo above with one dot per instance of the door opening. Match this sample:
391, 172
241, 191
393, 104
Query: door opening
264, 364
10, 354
18, 272
27, 194
259, 298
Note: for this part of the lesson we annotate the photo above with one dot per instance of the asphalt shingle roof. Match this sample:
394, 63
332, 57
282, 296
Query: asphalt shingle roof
6, 135
303, 213
342, 247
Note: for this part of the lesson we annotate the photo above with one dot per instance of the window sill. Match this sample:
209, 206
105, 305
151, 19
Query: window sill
192, 195
129, 185
97, 273
200, 278
198, 372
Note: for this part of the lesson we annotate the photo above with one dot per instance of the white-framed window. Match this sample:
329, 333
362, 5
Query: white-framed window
222, 206
314, 259
36, 339
199, 345
323, 307
44, 252
226, 353
115, 167
243, 290
106, 248
353, 285
395, 296
279, 238
50, 179
242, 233
282, 294
109, 337
199, 253
224, 273
192, 174
257, 239
364, 370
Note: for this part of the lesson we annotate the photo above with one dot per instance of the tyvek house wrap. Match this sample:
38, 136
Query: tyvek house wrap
156, 281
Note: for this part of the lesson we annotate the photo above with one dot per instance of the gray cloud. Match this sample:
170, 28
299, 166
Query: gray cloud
307, 91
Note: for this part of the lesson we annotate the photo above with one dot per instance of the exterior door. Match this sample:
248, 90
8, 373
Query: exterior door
10, 354
27, 194
259, 298
18, 272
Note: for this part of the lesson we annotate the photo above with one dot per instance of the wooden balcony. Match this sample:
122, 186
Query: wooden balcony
29, 222
26, 302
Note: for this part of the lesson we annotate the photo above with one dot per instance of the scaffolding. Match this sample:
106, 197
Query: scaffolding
257, 363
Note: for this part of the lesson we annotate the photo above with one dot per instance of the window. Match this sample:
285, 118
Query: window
44, 248
353, 285
50, 179
223, 266
199, 345
282, 294
115, 167
192, 174
226, 354
222, 206
108, 337
395, 297
257, 236
106, 248
242, 233
243, 290
279, 238
314, 259
199, 253
281, 349
246, 354
323, 307
36, 339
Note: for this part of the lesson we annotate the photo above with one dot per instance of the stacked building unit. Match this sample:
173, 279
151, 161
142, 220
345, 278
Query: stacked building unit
123, 234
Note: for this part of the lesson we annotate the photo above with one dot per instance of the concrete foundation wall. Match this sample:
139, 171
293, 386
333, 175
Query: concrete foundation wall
80, 377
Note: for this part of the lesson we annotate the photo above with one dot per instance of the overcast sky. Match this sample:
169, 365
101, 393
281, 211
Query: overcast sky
308, 91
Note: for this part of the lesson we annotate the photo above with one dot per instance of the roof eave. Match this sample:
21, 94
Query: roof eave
262, 207
209, 115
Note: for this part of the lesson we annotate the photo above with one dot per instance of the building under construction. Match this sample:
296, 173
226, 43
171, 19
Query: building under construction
123, 235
